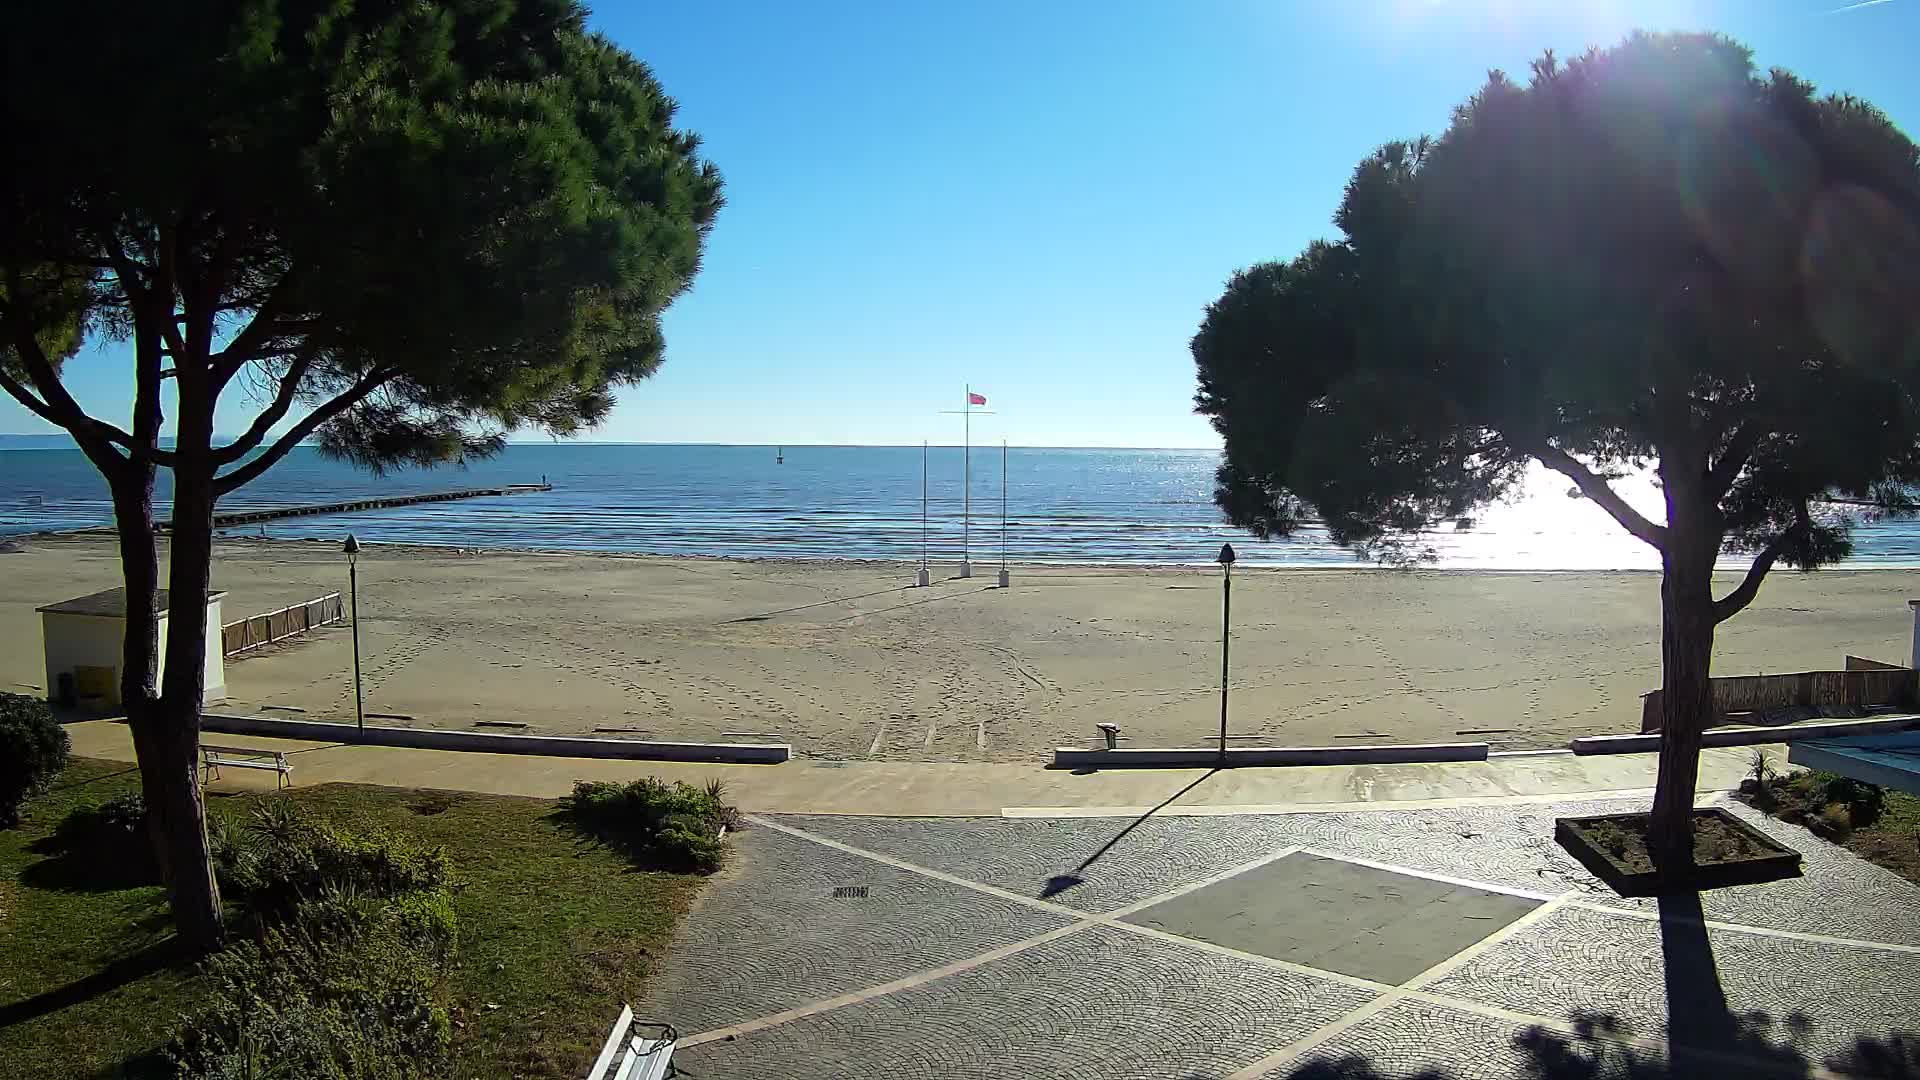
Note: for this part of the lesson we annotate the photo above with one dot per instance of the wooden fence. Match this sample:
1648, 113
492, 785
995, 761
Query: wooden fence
257, 630
1851, 689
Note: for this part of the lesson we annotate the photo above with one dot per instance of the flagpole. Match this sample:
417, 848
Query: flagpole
1005, 579
966, 483
925, 576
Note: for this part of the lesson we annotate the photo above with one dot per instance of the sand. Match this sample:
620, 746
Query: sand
844, 660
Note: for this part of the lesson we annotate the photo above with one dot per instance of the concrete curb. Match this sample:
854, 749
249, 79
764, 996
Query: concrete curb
487, 743
1745, 736
1200, 757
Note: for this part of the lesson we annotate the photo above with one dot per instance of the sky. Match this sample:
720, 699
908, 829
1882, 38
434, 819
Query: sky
1039, 200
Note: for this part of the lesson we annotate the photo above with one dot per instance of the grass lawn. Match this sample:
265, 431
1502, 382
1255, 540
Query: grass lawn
555, 932
1893, 840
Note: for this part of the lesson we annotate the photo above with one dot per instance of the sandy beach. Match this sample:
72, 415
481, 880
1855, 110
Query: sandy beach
844, 660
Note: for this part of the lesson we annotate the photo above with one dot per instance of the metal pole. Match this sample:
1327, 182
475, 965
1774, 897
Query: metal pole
1226, 637
925, 577
1003, 504
353, 593
966, 484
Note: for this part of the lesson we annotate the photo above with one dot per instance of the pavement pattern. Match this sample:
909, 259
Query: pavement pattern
1365, 945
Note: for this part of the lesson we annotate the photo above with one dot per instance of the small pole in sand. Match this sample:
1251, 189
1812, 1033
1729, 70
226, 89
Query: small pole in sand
925, 577
1226, 630
352, 548
1005, 579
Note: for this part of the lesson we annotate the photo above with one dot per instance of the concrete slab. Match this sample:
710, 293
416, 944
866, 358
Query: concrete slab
1188, 757
1338, 916
1578, 961
1818, 976
771, 932
491, 742
1100, 1004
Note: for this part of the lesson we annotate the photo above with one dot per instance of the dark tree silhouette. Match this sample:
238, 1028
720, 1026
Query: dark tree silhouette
398, 229
1649, 256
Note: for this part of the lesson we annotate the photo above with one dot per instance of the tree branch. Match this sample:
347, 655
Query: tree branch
1739, 449
308, 424
146, 388
26, 397
55, 405
1594, 487
163, 293
259, 330
275, 411
1736, 601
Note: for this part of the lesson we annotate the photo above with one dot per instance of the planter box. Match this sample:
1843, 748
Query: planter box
1763, 858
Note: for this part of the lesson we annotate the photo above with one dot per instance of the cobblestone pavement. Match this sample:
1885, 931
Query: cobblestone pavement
1115, 948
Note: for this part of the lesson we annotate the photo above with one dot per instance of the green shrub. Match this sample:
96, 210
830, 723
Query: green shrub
1834, 822
121, 817
33, 750
287, 858
676, 826
111, 838
1864, 802
341, 978
346, 987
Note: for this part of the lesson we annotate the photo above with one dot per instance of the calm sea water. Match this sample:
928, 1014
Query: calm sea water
1101, 506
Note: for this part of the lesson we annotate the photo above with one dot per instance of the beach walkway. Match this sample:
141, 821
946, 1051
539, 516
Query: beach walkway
953, 921
1429, 943
960, 789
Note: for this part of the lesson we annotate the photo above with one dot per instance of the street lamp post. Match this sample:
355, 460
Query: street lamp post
1226, 623
352, 548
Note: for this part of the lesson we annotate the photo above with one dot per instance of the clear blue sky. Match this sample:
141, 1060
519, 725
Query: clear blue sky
1040, 199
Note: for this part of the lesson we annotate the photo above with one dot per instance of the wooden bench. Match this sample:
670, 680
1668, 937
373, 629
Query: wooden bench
212, 758
630, 1056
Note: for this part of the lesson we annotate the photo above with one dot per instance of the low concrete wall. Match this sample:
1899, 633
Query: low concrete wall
1200, 757
1754, 736
487, 743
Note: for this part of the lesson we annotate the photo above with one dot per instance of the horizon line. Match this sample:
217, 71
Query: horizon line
649, 442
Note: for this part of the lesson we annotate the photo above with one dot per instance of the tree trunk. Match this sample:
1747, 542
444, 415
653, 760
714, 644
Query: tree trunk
175, 798
1686, 660
139, 651
140, 568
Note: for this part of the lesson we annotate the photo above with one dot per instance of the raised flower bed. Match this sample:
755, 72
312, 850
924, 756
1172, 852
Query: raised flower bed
1726, 851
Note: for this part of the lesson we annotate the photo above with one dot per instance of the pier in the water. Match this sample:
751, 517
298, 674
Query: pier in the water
248, 517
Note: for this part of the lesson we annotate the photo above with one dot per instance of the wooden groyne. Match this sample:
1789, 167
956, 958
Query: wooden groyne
249, 517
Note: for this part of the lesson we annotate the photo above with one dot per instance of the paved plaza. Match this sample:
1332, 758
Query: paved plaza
1377, 943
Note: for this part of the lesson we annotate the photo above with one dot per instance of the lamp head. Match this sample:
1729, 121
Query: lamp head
1226, 556
351, 547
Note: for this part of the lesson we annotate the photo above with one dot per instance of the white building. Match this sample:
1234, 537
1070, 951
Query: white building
84, 638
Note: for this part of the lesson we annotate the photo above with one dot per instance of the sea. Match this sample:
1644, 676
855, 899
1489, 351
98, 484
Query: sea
1030, 505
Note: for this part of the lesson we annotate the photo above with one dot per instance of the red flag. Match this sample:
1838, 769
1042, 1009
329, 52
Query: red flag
976, 399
